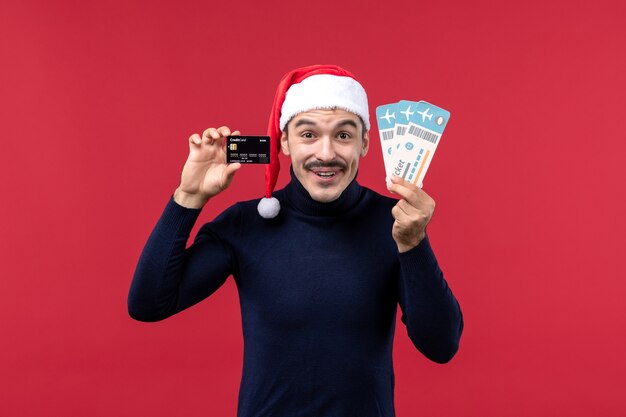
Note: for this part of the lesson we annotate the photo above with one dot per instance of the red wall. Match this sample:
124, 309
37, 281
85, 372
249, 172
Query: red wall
97, 100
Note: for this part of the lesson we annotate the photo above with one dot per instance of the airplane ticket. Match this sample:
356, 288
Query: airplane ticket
386, 116
413, 151
404, 115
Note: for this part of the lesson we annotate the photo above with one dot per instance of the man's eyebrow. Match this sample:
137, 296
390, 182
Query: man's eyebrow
346, 122
305, 122
342, 123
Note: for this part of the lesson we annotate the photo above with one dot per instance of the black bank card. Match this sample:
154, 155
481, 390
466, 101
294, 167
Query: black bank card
248, 149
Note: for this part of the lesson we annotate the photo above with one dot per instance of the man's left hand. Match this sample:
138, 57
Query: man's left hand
412, 214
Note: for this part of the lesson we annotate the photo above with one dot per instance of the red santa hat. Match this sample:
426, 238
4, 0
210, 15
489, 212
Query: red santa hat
304, 89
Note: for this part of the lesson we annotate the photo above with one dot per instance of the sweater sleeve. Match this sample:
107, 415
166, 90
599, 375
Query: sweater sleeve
430, 311
170, 277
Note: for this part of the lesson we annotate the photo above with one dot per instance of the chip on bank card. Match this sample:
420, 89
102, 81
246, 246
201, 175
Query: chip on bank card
410, 140
248, 149
386, 117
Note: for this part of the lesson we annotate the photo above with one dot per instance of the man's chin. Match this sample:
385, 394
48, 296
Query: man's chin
325, 196
324, 190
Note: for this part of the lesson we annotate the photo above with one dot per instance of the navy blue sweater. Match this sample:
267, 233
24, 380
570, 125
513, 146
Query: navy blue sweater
318, 288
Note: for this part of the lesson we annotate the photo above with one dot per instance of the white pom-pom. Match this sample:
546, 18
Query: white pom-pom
268, 207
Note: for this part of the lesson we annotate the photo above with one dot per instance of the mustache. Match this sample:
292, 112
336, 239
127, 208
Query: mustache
320, 164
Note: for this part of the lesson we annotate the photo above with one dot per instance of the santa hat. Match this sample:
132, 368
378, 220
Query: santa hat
304, 89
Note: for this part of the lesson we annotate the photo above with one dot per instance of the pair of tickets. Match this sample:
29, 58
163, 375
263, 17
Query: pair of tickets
409, 134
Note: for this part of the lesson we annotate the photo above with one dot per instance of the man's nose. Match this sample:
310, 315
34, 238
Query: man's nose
326, 150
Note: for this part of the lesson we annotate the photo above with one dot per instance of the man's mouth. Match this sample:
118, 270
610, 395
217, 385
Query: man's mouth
325, 174
325, 171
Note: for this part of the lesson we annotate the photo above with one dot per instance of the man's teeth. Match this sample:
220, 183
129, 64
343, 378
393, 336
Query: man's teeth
325, 174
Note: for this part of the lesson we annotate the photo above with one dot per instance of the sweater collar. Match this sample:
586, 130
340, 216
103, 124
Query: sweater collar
299, 198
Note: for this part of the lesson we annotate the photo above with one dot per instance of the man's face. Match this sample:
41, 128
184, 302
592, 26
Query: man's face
325, 147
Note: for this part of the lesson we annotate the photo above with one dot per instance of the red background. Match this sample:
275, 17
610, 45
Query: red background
97, 100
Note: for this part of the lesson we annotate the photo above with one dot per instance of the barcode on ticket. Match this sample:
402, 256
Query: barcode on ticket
387, 135
423, 134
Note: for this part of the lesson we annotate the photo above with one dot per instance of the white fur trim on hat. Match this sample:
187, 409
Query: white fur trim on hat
325, 91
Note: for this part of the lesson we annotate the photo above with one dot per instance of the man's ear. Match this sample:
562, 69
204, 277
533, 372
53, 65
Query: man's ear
366, 143
284, 145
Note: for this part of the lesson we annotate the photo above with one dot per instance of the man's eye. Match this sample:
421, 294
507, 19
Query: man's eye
344, 135
307, 135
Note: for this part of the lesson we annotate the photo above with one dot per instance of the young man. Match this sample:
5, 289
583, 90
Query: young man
320, 271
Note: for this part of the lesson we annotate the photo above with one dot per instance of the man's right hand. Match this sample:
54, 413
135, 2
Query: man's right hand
206, 172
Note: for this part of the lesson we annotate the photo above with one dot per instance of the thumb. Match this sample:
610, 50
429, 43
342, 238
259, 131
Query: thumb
230, 172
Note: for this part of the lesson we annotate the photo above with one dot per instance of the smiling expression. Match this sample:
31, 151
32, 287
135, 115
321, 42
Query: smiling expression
325, 147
